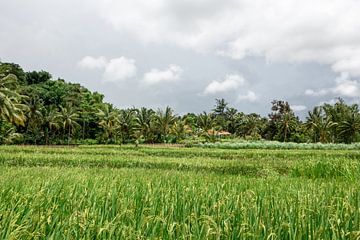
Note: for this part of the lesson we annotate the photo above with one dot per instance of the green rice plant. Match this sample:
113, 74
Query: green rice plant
113, 192
80, 203
276, 145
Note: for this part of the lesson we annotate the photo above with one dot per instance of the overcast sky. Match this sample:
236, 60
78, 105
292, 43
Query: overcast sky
186, 53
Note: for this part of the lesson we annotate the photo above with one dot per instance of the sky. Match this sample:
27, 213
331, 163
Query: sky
186, 53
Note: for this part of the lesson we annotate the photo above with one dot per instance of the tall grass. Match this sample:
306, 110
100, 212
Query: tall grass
246, 162
131, 204
178, 193
276, 145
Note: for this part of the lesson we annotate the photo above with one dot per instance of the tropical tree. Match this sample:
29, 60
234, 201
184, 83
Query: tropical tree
230, 118
252, 125
207, 124
350, 127
89, 106
282, 121
219, 111
8, 133
127, 124
144, 123
34, 118
164, 119
343, 116
319, 125
205, 121
109, 122
10, 107
51, 122
69, 117
180, 130
287, 124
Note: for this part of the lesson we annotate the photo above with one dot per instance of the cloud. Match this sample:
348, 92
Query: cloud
344, 87
298, 108
156, 76
250, 97
119, 69
93, 63
323, 31
231, 82
313, 93
347, 87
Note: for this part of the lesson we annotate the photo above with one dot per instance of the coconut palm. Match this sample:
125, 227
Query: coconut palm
287, 124
144, 123
127, 123
69, 117
164, 120
350, 127
205, 121
34, 118
252, 124
180, 129
10, 107
51, 121
319, 125
109, 122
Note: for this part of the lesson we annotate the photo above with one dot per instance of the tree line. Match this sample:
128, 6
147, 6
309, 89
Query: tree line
37, 109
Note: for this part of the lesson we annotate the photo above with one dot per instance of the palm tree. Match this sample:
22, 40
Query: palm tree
10, 107
144, 123
230, 115
164, 120
109, 122
350, 127
128, 123
180, 129
69, 118
51, 121
319, 125
34, 117
287, 124
205, 121
252, 124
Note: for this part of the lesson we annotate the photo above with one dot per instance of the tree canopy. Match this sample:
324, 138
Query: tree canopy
37, 109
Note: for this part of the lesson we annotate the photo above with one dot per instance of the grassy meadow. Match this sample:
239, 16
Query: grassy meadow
127, 192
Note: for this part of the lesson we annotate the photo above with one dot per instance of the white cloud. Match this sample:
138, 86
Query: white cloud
319, 31
250, 97
344, 87
321, 92
93, 63
231, 82
119, 69
298, 108
156, 76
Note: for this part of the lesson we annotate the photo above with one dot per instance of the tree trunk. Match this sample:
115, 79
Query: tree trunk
83, 137
69, 135
285, 134
46, 136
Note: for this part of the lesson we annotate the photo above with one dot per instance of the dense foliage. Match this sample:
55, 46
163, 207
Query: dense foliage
37, 109
178, 193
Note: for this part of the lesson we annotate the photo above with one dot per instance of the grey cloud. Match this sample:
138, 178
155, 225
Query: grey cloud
293, 55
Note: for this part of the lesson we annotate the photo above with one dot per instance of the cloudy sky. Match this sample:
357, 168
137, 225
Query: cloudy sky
186, 53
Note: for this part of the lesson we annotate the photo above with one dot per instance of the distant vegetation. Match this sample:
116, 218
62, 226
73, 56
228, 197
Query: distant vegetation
37, 109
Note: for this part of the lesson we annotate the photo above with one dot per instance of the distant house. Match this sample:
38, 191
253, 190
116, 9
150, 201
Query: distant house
218, 133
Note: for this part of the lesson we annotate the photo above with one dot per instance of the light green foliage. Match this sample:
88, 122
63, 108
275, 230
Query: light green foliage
112, 192
238, 144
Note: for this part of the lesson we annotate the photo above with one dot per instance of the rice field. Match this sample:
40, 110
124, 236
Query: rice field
127, 192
